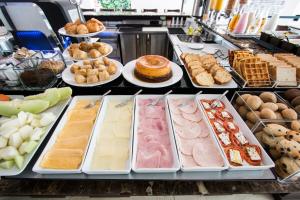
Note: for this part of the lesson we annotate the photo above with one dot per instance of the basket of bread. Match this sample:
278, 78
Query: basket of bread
205, 71
87, 51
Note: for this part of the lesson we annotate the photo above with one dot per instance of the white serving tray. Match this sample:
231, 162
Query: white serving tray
231, 84
67, 55
267, 162
88, 160
36, 168
195, 169
56, 110
176, 165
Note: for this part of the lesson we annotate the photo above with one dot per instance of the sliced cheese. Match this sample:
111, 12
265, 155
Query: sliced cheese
253, 153
235, 156
241, 138
224, 137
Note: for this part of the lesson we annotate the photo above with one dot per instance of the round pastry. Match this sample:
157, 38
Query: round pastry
80, 55
86, 62
297, 108
295, 125
281, 106
104, 49
289, 114
153, 68
269, 105
71, 29
92, 79
275, 130
268, 97
291, 94
253, 117
74, 68
82, 29
296, 101
103, 75
267, 113
242, 99
93, 27
112, 68
80, 78
93, 53
84, 46
254, 102
243, 111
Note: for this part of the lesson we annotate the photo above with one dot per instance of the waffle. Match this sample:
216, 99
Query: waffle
241, 62
256, 74
232, 55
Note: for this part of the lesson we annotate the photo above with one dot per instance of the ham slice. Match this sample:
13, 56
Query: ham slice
188, 132
186, 145
205, 154
188, 161
195, 117
189, 108
204, 129
179, 120
148, 159
154, 112
174, 107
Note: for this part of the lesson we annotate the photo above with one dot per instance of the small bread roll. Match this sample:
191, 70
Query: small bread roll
93, 27
92, 79
278, 115
81, 72
112, 68
72, 29
289, 114
106, 60
295, 125
269, 105
104, 50
103, 75
87, 62
96, 21
82, 29
79, 55
86, 67
267, 113
80, 78
91, 72
281, 106
268, 97
84, 46
101, 68
242, 99
97, 62
68, 25
250, 124
243, 111
74, 46
96, 45
253, 117
254, 102
74, 68
93, 53
77, 22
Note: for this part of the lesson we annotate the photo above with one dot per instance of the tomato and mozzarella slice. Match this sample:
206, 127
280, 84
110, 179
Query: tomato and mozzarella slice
224, 115
231, 127
235, 156
253, 155
206, 104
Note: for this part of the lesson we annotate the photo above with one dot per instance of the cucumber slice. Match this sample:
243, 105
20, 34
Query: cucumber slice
31, 145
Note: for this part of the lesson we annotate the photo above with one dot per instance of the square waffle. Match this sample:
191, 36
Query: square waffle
241, 62
256, 74
232, 55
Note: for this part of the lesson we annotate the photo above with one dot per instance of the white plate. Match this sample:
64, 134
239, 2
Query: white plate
36, 168
176, 165
56, 110
67, 56
68, 77
215, 142
196, 46
128, 73
267, 162
231, 84
62, 31
88, 161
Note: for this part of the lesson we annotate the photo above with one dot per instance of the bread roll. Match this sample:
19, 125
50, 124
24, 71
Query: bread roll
254, 102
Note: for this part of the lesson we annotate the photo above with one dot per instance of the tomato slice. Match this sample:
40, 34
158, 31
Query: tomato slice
222, 136
237, 149
224, 115
206, 104
217, 104
248, 158
231, 127
218, 126
235, 140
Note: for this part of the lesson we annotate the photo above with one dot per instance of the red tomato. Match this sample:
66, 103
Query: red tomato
228, 155
248, 158
224, 115
218, 105
231, 127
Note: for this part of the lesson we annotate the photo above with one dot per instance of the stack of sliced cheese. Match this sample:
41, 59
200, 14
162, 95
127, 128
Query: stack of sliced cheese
71, 143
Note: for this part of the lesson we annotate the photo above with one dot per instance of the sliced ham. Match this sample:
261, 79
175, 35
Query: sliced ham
174, 107
154, 112
179, 120
206, 155
148, 159
186, 145
194, 117
204, 129
188, 132
189, 108
188, 161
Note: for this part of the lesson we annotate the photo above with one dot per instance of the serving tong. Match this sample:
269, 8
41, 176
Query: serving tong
128, 100
213, 105
93, 103
155, 101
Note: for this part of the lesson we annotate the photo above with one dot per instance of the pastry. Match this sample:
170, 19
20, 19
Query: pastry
82, 29
289, 147
153, 68
253, 117
296, 101
291, 94
79, 55
112, 68
259, 135
280, 171
93, 27
274, 153
254, 102
297, 108
91, 72
74, 68
268, 97
103, 75
281, 106
55, 66
103, 49
289, 114
92, 79
205, 79
241, 99
93, 53
293, 135
271, 141
275, 130
295, 125
271, 106
278, 115
71, 29
84, 46
243, 111
80, 78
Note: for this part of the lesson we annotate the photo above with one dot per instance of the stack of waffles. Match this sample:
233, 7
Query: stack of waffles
251, 68
205, 70
280, 71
